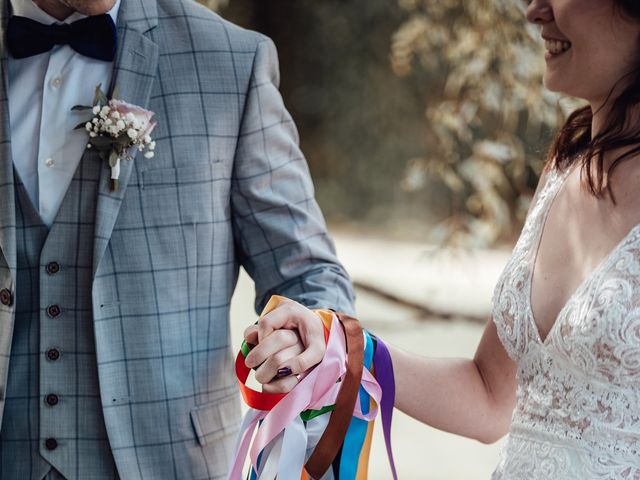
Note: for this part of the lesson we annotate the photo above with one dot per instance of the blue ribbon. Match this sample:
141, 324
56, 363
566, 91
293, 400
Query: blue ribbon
357, 432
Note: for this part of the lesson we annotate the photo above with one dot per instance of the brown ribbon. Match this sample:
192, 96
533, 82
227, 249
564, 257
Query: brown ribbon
333, 436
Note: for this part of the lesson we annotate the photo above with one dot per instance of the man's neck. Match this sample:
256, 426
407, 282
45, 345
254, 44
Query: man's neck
55, 8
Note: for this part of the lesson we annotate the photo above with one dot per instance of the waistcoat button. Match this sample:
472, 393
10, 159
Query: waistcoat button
53, 354
52, 399
5, 297
53, 268
51, 443
53, 311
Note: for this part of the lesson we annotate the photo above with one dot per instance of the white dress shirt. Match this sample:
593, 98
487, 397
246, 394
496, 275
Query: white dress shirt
42, 90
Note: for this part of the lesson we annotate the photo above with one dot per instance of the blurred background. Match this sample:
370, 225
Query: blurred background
426, 126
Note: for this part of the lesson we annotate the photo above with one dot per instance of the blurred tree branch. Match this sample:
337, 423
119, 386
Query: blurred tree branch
490, 110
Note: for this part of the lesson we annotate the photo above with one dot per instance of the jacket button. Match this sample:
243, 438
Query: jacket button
53, 311
51, 443
5, 297
53, 268
51, 399
53, 354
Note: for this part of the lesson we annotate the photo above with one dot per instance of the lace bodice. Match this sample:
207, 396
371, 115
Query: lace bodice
577, 414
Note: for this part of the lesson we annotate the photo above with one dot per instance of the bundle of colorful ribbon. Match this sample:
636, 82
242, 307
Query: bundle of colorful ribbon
323, 428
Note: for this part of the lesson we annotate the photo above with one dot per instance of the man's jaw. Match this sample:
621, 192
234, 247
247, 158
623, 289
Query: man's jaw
87, 7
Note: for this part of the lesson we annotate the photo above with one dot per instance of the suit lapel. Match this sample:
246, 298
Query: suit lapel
7, 197
135, 70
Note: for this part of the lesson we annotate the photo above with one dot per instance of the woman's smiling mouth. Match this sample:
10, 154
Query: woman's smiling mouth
556, 47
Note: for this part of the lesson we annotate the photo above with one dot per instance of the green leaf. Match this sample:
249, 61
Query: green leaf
113, 159
96, 95
81, 126
100, 98
123, 141
101, 141
81, 108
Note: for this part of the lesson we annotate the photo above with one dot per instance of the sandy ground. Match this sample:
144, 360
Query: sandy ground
441, 280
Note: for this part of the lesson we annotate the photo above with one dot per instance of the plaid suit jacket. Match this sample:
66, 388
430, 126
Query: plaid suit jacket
228, 187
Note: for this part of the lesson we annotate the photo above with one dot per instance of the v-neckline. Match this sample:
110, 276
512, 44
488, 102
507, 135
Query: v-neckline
581, 286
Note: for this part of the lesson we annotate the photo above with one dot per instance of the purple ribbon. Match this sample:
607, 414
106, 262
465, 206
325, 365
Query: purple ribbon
384, 376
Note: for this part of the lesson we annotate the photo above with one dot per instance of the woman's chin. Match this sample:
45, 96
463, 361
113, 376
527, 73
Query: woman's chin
550, 83
553, 82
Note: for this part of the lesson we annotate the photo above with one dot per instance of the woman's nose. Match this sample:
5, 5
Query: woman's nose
539, 11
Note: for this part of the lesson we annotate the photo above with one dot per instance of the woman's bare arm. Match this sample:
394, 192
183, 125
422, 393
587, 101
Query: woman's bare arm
473, 398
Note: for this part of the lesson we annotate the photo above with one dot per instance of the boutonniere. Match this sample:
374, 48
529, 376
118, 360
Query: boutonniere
115, 128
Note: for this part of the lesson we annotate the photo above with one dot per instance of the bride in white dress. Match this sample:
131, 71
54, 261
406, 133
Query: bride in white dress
558, 367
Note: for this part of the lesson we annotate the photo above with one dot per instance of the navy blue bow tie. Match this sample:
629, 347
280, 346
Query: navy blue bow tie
94, 37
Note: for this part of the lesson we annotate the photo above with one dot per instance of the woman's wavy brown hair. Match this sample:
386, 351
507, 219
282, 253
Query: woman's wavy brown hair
574, 142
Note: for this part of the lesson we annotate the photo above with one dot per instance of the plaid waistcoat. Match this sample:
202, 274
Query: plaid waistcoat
53, 415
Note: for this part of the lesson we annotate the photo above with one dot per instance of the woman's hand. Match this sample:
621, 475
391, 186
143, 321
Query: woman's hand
288, 341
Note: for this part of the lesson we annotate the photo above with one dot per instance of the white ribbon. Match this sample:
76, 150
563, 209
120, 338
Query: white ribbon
315, 428
115, 170
269, 459
294, 447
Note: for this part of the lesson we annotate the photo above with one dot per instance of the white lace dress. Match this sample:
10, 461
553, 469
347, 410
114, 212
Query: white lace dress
577, 414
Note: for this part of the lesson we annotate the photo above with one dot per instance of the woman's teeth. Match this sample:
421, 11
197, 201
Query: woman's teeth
556, 46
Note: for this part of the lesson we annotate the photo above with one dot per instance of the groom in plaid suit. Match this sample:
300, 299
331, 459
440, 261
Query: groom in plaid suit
115, 355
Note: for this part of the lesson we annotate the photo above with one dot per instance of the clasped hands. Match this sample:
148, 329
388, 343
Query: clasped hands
286, 342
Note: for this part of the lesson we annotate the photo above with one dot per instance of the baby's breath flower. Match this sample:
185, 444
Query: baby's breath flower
119, 132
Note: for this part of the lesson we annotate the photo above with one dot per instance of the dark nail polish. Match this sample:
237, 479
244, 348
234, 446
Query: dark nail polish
283, 372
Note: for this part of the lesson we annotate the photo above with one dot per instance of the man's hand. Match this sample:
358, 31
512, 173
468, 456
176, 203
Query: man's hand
289, 337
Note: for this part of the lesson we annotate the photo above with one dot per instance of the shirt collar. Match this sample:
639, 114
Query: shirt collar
27, 8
